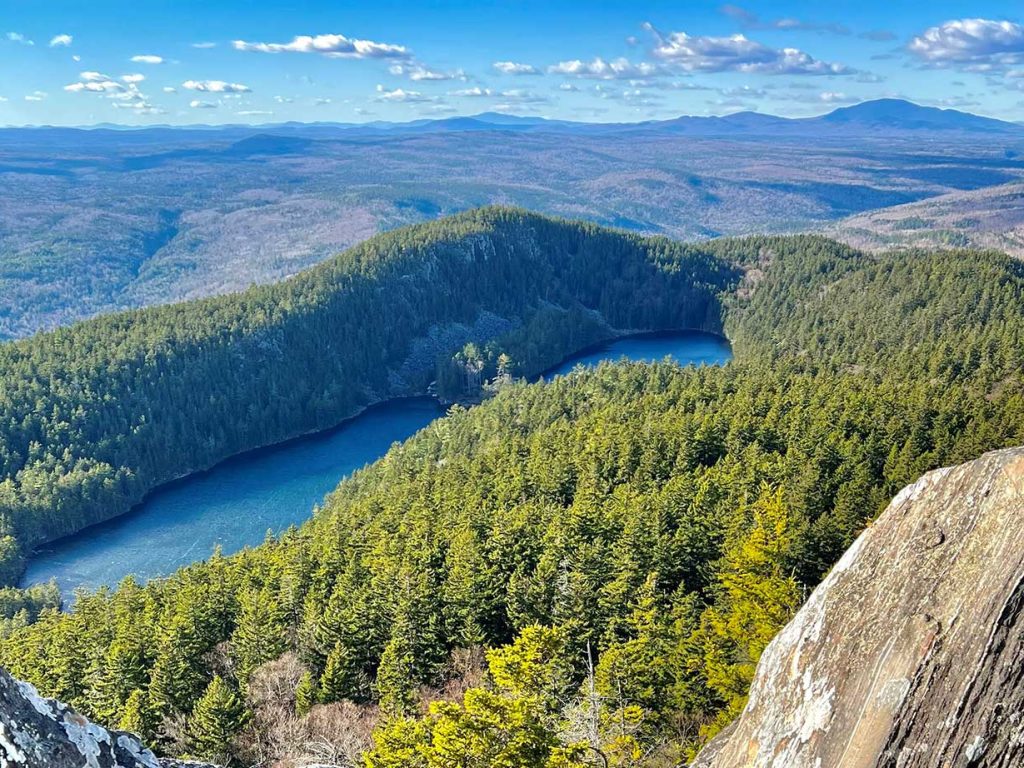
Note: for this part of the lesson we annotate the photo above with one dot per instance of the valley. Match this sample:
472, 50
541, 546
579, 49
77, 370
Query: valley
238, 502
663, 522
517, 384
98, 220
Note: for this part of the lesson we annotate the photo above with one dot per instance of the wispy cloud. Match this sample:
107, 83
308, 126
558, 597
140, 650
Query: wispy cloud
419, 72
215, 86
147, 58
331, 45
124, 92
197, 104
36, 96
401, 95
749, 20
204, 45
17, 37
476, 92
61, 40
515, 68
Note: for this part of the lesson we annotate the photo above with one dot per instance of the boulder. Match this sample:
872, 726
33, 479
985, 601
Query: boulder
910, 654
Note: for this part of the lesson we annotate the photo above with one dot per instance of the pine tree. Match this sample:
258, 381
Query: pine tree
259, 636
305, 693
338, 680
217, 717
396, 682
136, 716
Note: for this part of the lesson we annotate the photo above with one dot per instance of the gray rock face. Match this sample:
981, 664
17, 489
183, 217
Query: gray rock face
43, 733
911, 653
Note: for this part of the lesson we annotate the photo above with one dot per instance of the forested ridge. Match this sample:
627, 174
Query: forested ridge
95, 415
573, 573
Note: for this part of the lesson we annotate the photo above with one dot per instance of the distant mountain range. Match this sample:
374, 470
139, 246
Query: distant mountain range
93, 220
869, 117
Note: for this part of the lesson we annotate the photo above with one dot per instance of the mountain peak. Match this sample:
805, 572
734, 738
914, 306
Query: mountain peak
899, 113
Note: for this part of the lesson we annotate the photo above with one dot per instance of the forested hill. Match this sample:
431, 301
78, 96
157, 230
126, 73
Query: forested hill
95, 415
581, 569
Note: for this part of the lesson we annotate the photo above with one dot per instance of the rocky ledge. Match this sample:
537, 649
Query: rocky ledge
911, 652
42, 733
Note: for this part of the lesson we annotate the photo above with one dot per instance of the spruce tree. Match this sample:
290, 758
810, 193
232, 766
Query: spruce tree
218, 716
136, 716
260, 634
305, 693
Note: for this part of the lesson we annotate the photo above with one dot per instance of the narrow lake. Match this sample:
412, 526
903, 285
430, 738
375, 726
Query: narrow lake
238, 501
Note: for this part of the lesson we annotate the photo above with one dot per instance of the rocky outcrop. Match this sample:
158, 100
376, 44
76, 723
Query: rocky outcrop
911, 653
43, 733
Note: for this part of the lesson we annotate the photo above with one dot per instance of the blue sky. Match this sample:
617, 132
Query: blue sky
156, 61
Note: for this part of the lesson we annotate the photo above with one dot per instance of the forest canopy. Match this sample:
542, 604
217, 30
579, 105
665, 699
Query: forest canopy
580, 570
95, 415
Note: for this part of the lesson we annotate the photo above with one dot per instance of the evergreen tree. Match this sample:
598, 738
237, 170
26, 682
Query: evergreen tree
260, 635
136, 716
217, 718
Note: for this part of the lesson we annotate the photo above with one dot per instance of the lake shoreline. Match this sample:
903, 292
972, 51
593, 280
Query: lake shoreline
98, 533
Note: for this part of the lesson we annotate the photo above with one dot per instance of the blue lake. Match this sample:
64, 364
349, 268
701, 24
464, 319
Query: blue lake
235, 503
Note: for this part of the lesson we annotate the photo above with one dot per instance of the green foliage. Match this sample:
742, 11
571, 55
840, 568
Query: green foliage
658, 523
95, 415
19, 607
512, 725
216, 720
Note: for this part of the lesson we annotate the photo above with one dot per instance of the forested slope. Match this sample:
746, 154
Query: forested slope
660, 523
95, 415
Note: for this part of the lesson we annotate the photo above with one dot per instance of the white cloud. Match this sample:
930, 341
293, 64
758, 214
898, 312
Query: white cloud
169, 89
836, 97
401, 95
248, 112
568, 87
283, 99
36, 96
736, 53
147, 58
196, 104
61, 40
17, 37
105, 86
517, 97
332, 45
125, 94
418, 72
76, 58
474, 92
320, 102
604, 70
139, 107
515, 68
215, 86
204, 45
979, 44
3, 99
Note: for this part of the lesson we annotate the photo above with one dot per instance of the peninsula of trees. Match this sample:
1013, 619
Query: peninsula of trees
94, 416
